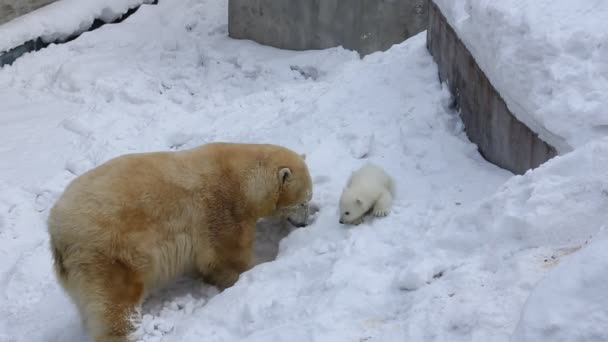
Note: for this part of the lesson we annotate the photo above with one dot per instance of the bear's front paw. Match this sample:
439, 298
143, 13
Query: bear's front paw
357, 221
381, 212
222, 280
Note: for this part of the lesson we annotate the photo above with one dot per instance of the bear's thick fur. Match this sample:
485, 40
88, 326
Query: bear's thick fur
138, 221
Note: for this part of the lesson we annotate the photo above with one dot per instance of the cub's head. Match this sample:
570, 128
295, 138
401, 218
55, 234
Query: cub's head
353, 207
295, 191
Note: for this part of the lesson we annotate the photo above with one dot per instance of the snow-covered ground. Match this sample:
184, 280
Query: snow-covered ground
470, 252
547, 58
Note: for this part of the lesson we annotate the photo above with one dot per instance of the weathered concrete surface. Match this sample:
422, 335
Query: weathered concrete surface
365, 26
10, 9
501, 138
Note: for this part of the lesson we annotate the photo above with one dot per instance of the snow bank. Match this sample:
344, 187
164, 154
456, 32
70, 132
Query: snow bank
498, 249
560, 204
61, 19
547, 58
570, 303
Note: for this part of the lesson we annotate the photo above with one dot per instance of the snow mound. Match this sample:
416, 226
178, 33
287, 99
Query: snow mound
547, 60
561, 203
570, 303
61, 19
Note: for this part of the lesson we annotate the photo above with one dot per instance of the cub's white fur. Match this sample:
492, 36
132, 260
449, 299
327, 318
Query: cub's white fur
368, 189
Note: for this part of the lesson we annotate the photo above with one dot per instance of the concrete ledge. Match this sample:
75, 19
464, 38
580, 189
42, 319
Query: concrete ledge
9, 57
10, 9
501, 138
365, 26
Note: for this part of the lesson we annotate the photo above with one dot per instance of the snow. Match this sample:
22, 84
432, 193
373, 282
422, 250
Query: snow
61, 19
569, 304
469, 252
547, 60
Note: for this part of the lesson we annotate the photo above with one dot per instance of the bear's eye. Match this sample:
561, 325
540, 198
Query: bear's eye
347, 213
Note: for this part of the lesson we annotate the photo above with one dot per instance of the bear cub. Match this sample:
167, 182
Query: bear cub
369, 189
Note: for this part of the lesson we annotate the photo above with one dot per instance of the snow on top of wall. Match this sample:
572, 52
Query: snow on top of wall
547, 58
61, 19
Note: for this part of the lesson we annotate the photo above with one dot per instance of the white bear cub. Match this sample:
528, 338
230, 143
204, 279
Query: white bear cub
369, 189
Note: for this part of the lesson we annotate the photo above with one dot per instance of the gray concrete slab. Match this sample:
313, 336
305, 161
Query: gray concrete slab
10, 9
365, 26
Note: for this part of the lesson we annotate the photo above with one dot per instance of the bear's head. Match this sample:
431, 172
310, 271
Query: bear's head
295, 191
353, 206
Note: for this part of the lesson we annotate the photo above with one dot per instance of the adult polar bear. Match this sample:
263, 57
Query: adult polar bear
140, 220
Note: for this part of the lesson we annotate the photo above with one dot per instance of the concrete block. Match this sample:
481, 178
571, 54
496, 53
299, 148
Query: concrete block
365, 26
10, 9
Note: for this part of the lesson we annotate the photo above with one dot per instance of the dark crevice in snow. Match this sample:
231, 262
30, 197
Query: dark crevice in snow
10, 56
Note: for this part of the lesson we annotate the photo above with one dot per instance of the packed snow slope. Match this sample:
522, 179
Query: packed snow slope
547, 58
458, 259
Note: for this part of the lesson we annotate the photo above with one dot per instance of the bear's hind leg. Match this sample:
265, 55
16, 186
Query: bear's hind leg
109, 294
383, 204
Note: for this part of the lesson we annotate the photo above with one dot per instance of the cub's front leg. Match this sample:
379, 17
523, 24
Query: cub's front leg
232, 255
382, 207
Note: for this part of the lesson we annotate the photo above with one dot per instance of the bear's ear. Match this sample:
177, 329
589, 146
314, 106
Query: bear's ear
303, 155
284, 175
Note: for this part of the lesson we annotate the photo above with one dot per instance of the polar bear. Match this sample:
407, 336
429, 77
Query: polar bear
368, 189
140, 220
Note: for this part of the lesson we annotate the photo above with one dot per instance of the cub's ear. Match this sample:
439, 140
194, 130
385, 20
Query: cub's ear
284, 175
303, 155
359, 202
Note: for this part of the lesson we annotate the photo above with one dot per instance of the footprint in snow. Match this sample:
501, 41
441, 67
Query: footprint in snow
178, 139
307, 71
362, 147
43, 200
416, 275
77, 127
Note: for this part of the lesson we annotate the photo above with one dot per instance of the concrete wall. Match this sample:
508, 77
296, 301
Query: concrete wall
500, 137
361, 25
10, 9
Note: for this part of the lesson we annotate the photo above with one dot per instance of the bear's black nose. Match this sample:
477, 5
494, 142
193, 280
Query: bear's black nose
341, 222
